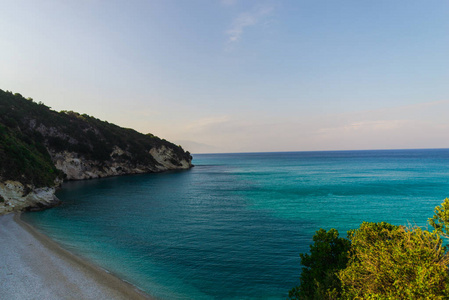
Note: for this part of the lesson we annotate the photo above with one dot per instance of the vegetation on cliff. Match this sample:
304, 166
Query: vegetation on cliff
378, 261
25, 160
31, 132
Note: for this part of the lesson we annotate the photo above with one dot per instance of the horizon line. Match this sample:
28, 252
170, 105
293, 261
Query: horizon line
308, 151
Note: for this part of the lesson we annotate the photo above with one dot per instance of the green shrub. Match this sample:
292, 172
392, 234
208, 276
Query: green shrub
440, 220
379, 261
22, 160
391, 262
328, 255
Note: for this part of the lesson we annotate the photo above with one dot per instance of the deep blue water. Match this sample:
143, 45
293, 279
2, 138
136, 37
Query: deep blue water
233, 226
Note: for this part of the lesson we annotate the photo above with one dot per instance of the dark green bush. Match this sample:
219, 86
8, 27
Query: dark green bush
379, 261
328, 255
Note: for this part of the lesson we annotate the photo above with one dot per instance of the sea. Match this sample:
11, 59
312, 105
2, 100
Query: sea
233, 226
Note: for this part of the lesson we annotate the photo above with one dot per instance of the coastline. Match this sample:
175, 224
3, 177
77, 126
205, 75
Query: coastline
34, 266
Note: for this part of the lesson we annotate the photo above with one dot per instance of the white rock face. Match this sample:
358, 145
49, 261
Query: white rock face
168, 160
15, 197
118, 151
76, 167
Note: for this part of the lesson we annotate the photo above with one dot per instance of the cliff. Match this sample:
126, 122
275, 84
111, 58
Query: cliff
39, 148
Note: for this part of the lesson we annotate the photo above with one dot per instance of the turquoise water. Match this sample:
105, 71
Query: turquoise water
233, 226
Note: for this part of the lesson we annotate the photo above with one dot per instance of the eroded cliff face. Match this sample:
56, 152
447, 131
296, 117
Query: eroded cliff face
168, 160
40, 147
14, 196
77, 167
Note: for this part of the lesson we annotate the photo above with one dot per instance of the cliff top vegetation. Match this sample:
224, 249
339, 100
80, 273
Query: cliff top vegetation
31, 132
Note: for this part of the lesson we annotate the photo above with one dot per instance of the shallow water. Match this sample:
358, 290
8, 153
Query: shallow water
232, 227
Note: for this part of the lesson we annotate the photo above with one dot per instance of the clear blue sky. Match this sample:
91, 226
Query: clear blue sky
240, 75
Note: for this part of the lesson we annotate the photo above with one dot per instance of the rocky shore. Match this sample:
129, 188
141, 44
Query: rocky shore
40, 148
16, 196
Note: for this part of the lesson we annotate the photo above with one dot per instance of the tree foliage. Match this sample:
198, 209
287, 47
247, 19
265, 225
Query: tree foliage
440, 220
24, 160
395, 262
328, 254
382, 261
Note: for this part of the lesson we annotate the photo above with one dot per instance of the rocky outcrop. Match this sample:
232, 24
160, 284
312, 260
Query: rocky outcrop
167, 159
40, 147
77, 167
14, 196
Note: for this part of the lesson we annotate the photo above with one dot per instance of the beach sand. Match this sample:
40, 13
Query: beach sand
32, 266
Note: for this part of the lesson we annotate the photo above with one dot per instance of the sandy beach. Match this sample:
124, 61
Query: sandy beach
32, 266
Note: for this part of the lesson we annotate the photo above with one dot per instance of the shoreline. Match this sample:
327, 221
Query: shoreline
35, 266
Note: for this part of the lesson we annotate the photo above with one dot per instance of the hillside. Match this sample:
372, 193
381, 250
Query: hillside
40, 147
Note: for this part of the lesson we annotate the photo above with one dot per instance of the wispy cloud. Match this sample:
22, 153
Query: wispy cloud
245, 20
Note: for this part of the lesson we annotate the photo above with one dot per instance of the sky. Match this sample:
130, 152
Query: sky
239, 75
